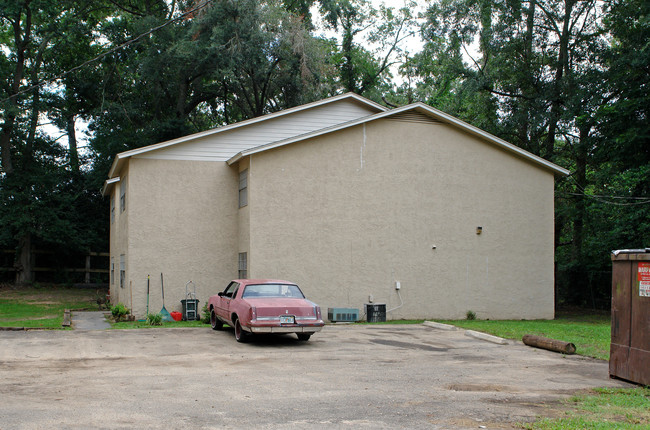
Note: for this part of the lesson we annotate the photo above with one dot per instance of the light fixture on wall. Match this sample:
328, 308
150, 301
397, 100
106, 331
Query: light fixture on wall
479, 230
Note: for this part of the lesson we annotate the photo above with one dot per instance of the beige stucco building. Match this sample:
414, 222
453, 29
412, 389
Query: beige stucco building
346, 198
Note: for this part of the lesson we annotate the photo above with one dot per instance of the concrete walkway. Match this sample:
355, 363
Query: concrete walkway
89, 320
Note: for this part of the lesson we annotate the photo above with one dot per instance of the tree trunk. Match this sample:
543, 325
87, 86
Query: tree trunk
549, 344
25, 260
347, 68
72, 143
21, 40
562, 63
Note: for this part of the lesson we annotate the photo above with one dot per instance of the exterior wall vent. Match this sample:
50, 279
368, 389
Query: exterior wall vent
342, 314
412, 116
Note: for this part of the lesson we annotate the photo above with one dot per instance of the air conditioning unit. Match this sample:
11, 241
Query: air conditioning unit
342, 314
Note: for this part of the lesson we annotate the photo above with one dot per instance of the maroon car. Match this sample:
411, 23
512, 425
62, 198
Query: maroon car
264, 306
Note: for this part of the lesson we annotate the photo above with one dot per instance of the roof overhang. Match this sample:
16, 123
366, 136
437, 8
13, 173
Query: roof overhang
108, 185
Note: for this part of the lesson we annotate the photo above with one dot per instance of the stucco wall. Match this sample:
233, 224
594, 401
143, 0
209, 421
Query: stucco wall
118, 237
347, 214
182, 222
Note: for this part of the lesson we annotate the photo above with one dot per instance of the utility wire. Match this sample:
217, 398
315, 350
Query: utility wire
603, 199
110, 51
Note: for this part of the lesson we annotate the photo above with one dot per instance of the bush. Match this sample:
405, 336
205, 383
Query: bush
154, 319
471, 315
205, 319
119, 311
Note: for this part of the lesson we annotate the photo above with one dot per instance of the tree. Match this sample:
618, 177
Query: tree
361, 70
37, 206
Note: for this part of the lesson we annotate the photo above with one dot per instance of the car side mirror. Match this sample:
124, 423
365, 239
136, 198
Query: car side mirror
220, 294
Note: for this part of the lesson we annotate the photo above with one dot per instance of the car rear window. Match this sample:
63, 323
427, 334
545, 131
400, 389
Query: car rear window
273, 290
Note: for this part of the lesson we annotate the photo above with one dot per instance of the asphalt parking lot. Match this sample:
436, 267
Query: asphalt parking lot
347, 376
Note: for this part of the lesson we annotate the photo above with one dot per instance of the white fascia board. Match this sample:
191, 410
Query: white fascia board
426, 109
108, 183
133, 152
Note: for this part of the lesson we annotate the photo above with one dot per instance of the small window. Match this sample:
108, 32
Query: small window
112, 270
242, 265
122, 270
112, 208
123, 195
243, 188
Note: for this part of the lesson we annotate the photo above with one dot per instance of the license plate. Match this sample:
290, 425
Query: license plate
287, 319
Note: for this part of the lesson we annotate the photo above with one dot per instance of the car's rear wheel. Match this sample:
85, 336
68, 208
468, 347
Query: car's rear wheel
215, 322
303, 336
240, 334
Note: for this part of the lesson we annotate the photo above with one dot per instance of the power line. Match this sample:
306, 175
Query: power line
110, 51
602, 199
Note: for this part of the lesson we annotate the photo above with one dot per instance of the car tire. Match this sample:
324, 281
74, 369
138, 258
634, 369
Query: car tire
215, 322
240, 334
303, 336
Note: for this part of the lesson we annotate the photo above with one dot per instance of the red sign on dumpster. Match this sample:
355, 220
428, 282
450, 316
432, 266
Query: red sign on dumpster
644, 279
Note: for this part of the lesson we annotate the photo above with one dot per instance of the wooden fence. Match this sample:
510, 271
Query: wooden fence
91, 259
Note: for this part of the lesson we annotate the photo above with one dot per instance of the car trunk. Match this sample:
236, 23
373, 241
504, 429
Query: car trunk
275, 307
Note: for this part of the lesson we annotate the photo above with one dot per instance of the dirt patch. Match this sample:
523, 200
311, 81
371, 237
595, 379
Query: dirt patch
475, 424
482, 388
408, 345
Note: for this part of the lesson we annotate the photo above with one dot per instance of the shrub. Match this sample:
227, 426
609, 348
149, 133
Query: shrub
471, 315
119, 311
154, 319
205, 319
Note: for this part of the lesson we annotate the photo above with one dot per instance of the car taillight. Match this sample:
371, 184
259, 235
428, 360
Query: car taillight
317, 311
253, 313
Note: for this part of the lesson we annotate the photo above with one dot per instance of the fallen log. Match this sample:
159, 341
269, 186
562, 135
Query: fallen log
550, 344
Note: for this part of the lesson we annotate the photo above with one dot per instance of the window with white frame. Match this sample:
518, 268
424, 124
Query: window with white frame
122, 194
243, 188
122, 270
243, 263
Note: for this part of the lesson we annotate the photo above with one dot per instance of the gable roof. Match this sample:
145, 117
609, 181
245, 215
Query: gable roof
366, 108
226, 143
418, 107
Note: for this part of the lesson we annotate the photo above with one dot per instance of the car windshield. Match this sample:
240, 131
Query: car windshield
273, 290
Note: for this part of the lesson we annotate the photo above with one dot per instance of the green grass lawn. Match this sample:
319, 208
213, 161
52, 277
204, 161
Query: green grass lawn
589, 332
42, 307
603, 409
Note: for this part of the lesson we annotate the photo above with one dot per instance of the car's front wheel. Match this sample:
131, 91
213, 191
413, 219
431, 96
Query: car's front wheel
215, 322
303, 336
240, 334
